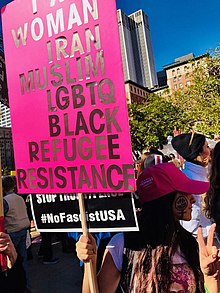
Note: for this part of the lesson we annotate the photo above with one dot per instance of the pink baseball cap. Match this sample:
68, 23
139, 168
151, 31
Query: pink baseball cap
159, 180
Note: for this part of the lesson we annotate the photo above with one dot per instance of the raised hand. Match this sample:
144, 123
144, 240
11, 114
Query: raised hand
209, 260
208, 253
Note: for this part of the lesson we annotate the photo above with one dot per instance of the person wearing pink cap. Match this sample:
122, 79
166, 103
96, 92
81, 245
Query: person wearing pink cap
162, 256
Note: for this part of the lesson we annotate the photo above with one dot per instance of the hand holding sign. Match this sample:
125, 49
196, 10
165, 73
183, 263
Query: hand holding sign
86, 248
76, 86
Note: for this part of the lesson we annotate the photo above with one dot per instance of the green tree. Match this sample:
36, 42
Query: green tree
200, 102
197, 106
152, 122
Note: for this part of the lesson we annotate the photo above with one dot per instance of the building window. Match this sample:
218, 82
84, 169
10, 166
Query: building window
180, 85
173, 72
187, 75
138, 13
175, 78
186, 68
175, 86
179, 77
131, 88
178, 70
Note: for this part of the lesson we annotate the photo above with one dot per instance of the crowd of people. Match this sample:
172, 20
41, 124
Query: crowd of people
177, 246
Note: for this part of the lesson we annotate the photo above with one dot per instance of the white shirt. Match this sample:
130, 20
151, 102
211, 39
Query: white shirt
196, 172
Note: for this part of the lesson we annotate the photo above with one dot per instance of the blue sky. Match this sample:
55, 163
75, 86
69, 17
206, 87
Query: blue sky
179, 27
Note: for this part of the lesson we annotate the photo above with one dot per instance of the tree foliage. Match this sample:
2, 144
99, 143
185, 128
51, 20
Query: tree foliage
200, 102
151, 123
197, 106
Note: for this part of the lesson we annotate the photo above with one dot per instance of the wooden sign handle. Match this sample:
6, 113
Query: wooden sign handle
92, 274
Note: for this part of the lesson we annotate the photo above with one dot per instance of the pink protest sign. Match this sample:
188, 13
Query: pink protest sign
67, 97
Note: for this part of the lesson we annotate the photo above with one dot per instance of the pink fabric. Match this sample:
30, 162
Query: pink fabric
161, 179
182, 279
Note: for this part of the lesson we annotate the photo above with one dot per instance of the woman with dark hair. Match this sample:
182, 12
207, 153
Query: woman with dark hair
162, 256
194, 148
212, 199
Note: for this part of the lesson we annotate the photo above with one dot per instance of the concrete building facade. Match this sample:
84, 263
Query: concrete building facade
179, 73
5, 117
6, 148
136, 49
135, 93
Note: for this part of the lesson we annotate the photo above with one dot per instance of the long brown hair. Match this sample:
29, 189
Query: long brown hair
214, 191
149, 252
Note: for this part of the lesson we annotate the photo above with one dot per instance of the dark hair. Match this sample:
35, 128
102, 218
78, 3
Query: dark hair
200, 150
151, 151
213, 193
171, 156
8, 183
149, 251
194, 161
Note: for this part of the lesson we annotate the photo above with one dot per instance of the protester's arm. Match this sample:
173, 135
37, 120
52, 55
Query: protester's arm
108, 277
7, 247
5, 206
209, 260
86, 250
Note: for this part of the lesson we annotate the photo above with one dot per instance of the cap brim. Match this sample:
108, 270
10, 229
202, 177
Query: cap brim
195, 187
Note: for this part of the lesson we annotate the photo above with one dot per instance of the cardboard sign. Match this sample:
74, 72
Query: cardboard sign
3, 81
67, 96
105, 212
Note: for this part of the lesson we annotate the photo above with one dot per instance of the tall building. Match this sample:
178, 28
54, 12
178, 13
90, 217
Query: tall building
136, 48
6, 149
5, 118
